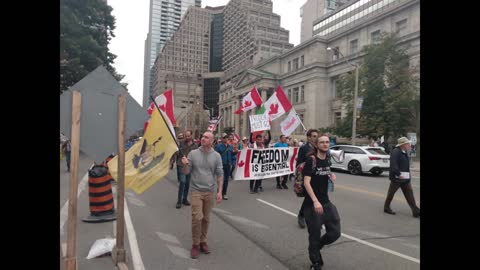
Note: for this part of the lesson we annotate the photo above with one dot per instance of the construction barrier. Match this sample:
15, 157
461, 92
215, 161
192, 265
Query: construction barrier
100, 195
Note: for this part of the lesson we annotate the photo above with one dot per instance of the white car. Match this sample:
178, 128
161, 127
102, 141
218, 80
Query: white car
360, 159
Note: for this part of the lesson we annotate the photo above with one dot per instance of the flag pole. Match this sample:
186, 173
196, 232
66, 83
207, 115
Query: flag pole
168, 127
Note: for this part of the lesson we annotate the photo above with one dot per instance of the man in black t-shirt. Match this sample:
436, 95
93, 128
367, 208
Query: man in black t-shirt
318, 210
312, 135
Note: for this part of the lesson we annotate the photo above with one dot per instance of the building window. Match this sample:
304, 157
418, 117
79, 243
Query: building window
336, 53
401, 26
334, 88
338, 117
289, 94
295, 95
289, 66
302, 61
375, 37
302, 93
295, 63
353, 46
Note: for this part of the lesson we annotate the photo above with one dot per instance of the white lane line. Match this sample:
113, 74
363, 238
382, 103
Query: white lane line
168, 237
64, 211
351, 237
179, 252
132, 239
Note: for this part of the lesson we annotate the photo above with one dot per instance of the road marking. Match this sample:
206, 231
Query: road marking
64, 248
168, 237
221, 211
350, 237
248, 222
64, 211
132, 239
179, 252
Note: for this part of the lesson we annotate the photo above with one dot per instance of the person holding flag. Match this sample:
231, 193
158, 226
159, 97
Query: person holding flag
205, 165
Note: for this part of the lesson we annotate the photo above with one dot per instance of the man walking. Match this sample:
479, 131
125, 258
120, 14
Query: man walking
318, 208
186, 146
205, 166
312, 135
226, 152
400, 177
282, 143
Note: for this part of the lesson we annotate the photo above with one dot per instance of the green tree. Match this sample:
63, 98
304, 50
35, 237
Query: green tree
390, 93
86, 28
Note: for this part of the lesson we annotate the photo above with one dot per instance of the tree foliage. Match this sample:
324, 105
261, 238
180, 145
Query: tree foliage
86, 28
389, 89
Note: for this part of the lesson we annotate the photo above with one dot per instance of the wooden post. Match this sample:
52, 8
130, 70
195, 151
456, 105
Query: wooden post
120, 254
71, 259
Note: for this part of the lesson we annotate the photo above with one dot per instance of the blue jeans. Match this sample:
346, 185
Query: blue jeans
183, 184
227, 170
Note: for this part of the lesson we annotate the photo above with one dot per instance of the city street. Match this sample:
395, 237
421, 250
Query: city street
254, 231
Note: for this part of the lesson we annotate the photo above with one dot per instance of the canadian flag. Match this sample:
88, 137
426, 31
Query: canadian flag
250, 101
165, 104
290, 123
277, 104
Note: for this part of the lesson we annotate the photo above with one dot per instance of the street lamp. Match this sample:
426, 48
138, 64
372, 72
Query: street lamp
209, 109
355, 95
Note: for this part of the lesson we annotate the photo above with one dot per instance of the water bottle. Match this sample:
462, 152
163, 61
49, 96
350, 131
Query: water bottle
330, 185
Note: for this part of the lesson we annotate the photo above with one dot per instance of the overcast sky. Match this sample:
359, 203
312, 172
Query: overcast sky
132, 27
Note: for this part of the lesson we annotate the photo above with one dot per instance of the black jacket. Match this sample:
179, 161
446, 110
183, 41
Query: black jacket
302, 153
399, 162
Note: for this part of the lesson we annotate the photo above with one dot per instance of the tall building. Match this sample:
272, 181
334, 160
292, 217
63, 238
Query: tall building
252, 33
180, 65
211, 84
314, 9
164, 19
185, 55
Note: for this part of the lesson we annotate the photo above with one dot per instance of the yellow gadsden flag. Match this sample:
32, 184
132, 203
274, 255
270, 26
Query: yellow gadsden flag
148, 160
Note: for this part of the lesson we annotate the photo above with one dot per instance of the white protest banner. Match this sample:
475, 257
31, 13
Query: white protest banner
265, 163
290, 123
259, 122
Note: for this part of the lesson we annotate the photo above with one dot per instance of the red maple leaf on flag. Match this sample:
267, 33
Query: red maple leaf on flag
241, 163
162, 107
273, 109
247, 103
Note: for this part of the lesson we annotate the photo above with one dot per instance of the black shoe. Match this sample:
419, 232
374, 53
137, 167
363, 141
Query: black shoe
301, 222
186, 202
253, 191
284, 186
278, 186
316, 266
179, 205
389, 211
321, 260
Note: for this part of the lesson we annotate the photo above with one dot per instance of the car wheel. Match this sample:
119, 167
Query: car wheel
354, 167
377, 172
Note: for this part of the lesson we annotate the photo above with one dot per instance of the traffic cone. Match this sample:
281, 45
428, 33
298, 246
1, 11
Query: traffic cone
100, 195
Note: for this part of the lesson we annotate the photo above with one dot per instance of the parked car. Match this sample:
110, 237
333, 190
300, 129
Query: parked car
362, 159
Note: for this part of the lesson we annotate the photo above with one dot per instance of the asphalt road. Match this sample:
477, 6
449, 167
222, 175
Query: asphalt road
257, 231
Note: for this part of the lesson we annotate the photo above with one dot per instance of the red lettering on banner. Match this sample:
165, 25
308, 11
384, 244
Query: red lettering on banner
294, 156
247, 164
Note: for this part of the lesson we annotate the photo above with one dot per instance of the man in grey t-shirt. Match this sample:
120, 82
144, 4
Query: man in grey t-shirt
204, 165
